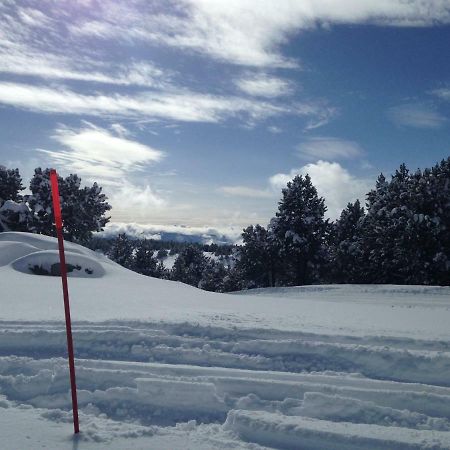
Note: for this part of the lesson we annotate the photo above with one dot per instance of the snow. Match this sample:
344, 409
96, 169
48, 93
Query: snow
169, 260
162, 365
46, 260
13, 207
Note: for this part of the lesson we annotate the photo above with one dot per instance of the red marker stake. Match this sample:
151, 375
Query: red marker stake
62, 259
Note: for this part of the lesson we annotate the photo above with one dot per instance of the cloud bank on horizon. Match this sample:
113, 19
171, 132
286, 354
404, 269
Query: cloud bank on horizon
197, 112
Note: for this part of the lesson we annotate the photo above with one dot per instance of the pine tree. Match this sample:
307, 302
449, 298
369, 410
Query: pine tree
233, 280
14, 214
441, 217
121, 251
300, 231
189, 265
376, 261
83, 209
258, 258
10, 185
144, 262
345, 248
213, 276
161, 271
405, 232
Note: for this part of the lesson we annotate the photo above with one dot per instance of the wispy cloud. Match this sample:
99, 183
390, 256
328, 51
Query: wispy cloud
183, 106
333, 182
329, 148
416, 116
96, 154
274, 129
95, 151
443, 93
31, 44
245, 191
263, 85
21, 61
250, 32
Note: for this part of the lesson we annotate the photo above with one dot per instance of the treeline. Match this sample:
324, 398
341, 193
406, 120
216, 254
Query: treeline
206, 266
400, 236
163, 247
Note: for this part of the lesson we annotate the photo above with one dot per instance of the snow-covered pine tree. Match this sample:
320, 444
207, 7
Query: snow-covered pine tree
345, 245
258, 258
213, 276
121, 251
143, 261
40, 202
441, 218
161, 271
189, 265
300, 230
83, 209
10, 185
14, 214
405, 232
374, 265
430, 197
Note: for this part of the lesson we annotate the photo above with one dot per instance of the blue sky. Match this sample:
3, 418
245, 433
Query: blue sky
196, 113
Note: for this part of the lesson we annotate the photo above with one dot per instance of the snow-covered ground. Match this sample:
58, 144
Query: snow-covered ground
162, 365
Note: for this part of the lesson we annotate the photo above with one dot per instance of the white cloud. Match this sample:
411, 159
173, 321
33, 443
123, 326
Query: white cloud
443, 93
151, 231
274, 129
416, 116
329, 148
332, 181
245, 191
95, 154
318, 113
119, 130
33, 17
31, 44
262, 85
93, 146
185, 106
135, 198
16, 59
248, 32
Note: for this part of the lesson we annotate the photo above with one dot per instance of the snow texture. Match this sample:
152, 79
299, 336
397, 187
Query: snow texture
162, 365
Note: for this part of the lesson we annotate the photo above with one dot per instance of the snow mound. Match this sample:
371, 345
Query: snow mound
37, 254
10, 251
41, 242
46, 262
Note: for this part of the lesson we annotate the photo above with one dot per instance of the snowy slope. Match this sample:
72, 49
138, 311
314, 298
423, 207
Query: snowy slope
164, 365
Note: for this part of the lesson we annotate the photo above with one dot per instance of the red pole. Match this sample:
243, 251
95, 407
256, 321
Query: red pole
62, 259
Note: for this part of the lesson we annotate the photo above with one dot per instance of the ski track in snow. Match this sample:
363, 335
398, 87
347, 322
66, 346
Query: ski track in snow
266, 387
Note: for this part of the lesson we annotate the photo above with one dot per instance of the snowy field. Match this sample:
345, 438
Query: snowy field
162, 365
